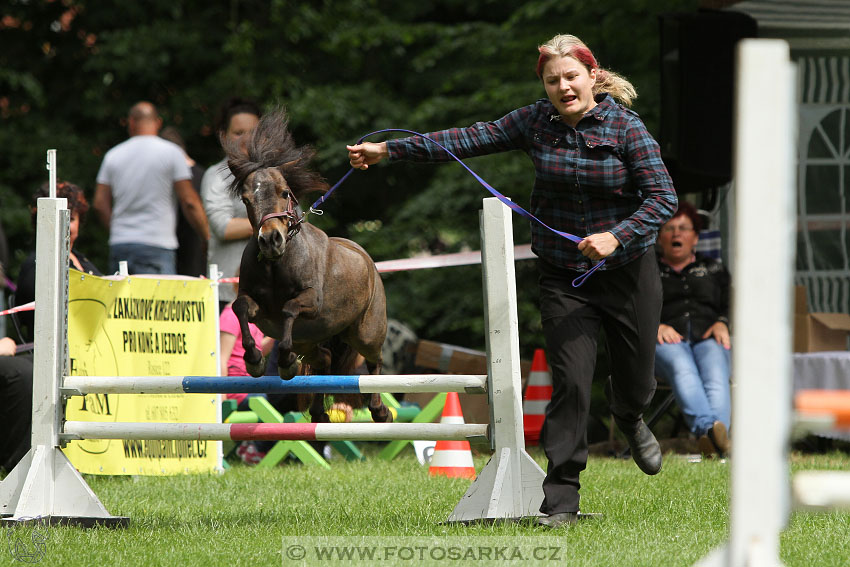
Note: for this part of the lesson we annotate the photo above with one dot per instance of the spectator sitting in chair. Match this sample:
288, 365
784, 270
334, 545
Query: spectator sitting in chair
16, 393
693, 350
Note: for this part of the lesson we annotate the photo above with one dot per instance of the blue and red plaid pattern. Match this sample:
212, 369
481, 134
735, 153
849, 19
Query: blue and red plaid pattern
604, 175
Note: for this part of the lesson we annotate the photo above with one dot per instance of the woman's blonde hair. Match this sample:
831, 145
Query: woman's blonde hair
565, 45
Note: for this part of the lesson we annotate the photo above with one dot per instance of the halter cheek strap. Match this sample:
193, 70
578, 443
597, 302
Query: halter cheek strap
291, 214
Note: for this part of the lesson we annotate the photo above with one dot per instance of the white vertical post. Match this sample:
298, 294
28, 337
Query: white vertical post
765, 165
511, 484
51, 168
214, 275
501, 322
50, 318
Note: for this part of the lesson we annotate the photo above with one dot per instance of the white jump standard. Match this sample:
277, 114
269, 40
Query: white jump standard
765, 164
45, 486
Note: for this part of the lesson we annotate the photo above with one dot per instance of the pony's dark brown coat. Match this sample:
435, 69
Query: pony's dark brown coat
321, 297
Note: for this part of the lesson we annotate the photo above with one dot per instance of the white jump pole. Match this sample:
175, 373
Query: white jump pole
473, 432
765, 186
45, 486
510, 486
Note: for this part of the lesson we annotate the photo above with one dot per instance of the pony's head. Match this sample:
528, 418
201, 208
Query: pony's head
270, 174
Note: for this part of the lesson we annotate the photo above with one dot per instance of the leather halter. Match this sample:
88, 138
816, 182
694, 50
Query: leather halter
291, 214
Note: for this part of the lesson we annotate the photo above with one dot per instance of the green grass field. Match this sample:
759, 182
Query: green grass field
243, 516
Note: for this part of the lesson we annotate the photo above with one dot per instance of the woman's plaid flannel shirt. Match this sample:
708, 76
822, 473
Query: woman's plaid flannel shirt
604, 175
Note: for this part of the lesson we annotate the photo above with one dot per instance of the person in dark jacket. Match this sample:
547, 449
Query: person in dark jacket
693, 351
598, 175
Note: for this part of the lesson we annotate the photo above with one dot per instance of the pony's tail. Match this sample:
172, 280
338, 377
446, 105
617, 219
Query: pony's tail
343, 357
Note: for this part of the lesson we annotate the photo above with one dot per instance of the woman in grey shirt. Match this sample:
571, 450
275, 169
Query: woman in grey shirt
229, 225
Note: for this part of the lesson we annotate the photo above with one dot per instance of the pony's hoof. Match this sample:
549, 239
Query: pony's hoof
288, 372
321, 418
381, 415
256, 370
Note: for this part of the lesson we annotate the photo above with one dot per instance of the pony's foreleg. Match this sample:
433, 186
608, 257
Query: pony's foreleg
304, 304
244, 308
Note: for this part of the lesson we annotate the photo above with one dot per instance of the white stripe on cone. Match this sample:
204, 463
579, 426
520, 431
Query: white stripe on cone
452, 458
538, 393
539, 378
452, 419
532, 407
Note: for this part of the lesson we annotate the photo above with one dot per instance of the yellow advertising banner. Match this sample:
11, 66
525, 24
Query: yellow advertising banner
143, 326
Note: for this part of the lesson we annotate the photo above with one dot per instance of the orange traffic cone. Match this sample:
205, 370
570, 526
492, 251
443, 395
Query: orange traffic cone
538, 393
452, 458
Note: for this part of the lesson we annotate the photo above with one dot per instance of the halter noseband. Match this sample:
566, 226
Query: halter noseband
291, 214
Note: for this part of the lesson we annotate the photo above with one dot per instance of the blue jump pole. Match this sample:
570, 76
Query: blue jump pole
366, 384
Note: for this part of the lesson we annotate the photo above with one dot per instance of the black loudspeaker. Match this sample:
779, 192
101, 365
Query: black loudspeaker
697, 96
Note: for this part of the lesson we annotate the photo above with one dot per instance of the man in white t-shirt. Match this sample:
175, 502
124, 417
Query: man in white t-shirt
139, 184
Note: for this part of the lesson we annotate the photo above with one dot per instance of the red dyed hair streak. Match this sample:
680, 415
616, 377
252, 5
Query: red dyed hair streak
581, 54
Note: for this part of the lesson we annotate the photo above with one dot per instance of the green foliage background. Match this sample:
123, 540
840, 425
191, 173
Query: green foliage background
70, 69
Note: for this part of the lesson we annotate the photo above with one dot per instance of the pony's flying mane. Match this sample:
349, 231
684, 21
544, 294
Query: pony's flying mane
271, 145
